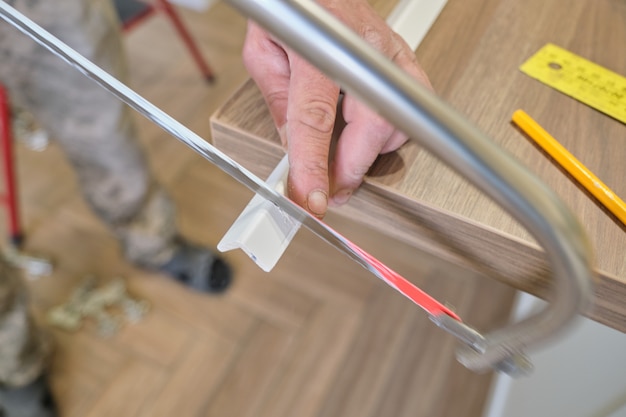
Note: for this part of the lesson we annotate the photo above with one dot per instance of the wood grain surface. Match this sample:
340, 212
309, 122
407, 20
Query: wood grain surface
472, 55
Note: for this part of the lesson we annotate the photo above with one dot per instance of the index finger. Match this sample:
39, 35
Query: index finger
268, 65
311, 112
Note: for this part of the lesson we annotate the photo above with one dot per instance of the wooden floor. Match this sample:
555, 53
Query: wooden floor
316, 337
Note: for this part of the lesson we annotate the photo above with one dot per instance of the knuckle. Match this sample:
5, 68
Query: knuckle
358, 172
310, 169
316, 167
318, 116
379, 39
250, 54
275, 98
401, 53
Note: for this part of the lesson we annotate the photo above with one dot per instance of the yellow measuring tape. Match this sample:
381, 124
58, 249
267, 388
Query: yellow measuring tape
587, 82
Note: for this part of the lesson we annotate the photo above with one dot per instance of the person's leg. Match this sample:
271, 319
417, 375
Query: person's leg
24, 353
98, 135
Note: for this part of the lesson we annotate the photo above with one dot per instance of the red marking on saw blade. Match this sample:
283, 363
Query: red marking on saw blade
405, 287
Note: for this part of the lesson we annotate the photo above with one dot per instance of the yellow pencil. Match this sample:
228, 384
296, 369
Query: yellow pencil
572, 165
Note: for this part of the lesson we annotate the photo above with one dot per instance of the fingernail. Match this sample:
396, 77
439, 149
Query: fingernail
317, 202
341, 197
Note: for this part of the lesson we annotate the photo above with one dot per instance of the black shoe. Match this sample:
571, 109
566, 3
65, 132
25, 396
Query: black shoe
198, 268
32, 400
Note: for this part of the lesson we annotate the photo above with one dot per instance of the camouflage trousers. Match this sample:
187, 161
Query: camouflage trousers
24, 350
96, 133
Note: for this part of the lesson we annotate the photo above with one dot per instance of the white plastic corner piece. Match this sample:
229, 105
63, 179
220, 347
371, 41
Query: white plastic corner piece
263, 231
412, 19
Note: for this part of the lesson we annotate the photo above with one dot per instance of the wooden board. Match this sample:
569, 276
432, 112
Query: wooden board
472, 55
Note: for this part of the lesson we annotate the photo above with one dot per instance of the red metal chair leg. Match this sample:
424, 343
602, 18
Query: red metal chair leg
33, 266
187, 39
6, 146
129, 24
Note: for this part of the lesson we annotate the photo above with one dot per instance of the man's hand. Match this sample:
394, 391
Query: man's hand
303, 103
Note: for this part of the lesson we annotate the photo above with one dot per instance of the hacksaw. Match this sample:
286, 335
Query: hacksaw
358, 68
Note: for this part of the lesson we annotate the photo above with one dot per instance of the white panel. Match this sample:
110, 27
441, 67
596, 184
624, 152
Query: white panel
413, 18
580, 375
